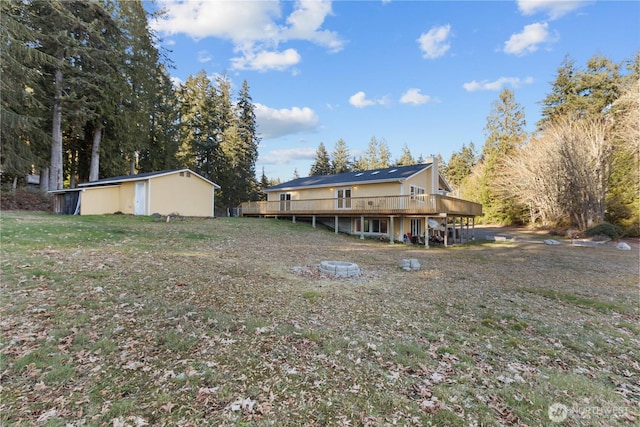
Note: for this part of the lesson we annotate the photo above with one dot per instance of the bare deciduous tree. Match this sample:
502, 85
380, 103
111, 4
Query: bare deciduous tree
563, 173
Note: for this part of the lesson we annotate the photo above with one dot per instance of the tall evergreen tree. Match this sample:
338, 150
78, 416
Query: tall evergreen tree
322, 164
406, 159
461, 164
340, 161
581, 93
146, 98
505, 131
23, 143
264, 183
80, 35
376, 156
200, 133
248, 148
162, 149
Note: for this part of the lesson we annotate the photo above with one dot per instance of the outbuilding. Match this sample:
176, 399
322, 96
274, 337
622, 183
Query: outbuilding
179, 191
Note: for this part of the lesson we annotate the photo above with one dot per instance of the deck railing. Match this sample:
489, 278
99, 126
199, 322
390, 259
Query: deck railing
423, 204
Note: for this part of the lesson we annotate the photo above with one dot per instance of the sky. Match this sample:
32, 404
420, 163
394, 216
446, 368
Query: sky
420, 74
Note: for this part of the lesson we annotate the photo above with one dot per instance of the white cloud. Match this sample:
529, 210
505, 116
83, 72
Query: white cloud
273, 123
359, 100
529, 39
306, 21
554, 8
497, 85
255, 28
263, 61
204, 56
434, 43
285, 156
413, 96
238, 21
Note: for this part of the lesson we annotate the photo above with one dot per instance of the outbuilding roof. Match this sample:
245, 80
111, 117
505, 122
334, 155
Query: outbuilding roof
396, 173
141, 177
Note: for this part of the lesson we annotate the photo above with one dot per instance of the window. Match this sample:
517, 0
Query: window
343, 198
415, 192
371, 226
378, 226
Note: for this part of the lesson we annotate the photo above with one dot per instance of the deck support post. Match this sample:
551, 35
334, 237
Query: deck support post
336, 224
467, 234
473, 228
313, 221
446, 231
426, 231
293, 219
362, 227
391, 230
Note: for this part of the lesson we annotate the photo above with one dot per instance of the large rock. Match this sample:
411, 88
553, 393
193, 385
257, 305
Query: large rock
410, 264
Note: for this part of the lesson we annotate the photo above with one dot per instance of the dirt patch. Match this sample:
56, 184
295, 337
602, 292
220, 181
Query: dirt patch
24, 200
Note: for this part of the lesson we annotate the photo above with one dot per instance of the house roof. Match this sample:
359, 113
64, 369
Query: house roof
398, 173
141, 177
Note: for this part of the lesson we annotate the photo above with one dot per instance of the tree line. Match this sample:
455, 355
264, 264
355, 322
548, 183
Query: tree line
86, 94
579, 168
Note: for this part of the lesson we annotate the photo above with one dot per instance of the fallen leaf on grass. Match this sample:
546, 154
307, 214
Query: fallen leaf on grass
45, 416
168, 407
244, 405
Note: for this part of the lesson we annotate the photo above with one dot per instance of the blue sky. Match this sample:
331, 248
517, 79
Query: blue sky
416, 73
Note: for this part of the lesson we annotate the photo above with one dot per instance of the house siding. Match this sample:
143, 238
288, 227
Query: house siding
176, 194
98, 201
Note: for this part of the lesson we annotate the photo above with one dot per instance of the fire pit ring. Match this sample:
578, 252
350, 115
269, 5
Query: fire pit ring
340, 268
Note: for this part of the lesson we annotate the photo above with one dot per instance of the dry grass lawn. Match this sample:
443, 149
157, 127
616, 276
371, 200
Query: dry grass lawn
127, 321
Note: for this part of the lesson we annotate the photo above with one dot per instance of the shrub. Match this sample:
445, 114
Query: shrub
605, 229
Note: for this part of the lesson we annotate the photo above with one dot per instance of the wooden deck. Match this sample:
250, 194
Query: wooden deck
418, 205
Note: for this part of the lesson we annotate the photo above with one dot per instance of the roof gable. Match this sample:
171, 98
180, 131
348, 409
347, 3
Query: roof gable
397, 173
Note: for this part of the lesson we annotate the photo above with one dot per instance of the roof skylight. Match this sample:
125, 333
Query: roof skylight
392, 170
375, 172
359, 174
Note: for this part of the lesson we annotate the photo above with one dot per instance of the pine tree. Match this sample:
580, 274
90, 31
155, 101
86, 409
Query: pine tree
264, 183
80, 35
248, 147
406, 159
143, 133
461, 165
505, 132
322, 164
22, 114
581, 93
377, 156
340, 158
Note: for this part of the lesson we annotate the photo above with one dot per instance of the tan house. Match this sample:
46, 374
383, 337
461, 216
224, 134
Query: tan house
180, 191
398, 203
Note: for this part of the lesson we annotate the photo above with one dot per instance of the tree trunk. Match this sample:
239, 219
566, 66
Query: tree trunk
94, 170
44, 180
56, 173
